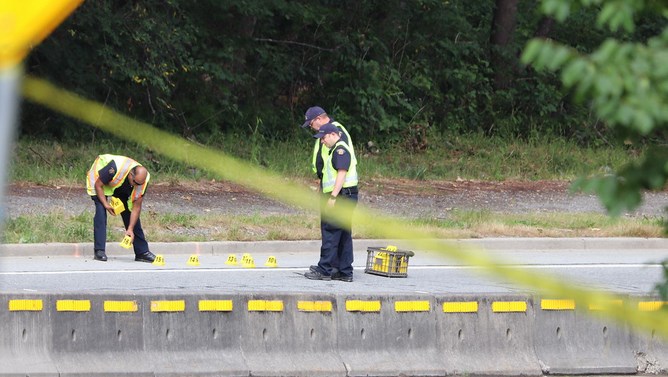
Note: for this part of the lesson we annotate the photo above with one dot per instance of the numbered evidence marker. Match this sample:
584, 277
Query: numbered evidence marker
232, 260
193, 260
127, 242
271, 262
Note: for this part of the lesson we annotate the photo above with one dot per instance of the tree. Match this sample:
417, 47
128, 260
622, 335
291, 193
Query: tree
503, 28
626, 84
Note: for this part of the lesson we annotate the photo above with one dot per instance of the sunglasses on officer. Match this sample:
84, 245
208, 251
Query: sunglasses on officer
132, 179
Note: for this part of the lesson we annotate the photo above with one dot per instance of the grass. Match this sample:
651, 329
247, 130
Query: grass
447, 158
57, 227
472, 156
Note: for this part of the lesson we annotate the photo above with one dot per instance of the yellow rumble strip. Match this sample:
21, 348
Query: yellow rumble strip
168, 306
362, 306
265, 305
650, 306
411, 306
557, 304
25, 305
120, 306
73, 305
314, 306
509, 306
215, 305
460, 307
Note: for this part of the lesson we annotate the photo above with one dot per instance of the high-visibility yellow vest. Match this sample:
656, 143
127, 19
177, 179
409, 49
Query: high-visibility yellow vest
123, 167
324, 151
329, 173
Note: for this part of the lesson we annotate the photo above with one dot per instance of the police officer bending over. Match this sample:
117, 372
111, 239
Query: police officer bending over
127, 180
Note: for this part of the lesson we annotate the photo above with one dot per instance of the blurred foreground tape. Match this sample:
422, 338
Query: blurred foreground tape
24, 24
606, 304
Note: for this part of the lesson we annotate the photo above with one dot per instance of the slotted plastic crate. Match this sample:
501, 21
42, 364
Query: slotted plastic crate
391, 263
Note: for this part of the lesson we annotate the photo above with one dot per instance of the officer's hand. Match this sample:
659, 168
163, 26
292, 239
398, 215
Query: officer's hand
131, 234
110, 209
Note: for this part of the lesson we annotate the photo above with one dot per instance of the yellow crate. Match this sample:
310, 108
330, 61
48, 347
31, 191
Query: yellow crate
387, 261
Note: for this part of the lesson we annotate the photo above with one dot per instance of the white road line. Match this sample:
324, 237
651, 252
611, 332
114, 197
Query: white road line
304, 269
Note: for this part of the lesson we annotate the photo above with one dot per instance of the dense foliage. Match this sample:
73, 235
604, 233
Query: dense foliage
391, 69
625, 80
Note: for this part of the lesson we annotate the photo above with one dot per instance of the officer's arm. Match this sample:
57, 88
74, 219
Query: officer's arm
340, 179
99, 191
338, 185
134, 217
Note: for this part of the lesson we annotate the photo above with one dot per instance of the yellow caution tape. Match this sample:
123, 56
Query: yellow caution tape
276, 187
24, 24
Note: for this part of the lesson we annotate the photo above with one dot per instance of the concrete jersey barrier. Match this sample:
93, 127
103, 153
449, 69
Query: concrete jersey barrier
311, 334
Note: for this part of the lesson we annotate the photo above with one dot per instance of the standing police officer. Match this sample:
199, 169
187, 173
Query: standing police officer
315, 117
339, 179
127, 180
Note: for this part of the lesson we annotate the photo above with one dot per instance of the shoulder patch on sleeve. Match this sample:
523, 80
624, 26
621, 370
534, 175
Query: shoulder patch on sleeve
112, 171
340, 151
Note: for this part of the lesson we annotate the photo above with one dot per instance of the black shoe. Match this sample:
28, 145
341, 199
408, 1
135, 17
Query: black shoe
316, 275
341, 277
100, 255
146, 257
314, 268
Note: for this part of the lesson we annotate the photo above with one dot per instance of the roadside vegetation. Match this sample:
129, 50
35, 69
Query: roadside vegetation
445, 157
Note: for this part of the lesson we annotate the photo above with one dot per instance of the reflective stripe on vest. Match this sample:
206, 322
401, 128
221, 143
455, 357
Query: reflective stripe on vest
324, 151
329, 175
124, 165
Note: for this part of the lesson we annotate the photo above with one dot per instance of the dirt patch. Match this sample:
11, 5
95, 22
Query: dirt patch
399, 197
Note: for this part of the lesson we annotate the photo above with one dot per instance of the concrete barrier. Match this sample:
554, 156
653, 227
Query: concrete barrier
290, 335
651, 351
487, 335
388, 335
207, 334
25, 333
570, 341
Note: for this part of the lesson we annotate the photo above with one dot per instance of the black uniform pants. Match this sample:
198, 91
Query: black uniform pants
100, 227
336, 251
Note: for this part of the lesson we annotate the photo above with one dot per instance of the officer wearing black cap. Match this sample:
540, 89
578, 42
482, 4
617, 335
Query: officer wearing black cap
339, 179
315, 117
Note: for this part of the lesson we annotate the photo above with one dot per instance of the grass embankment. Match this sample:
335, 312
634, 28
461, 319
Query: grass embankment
446, 158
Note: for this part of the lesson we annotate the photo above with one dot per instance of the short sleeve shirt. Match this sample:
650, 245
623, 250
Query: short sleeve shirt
319, 163
341, 158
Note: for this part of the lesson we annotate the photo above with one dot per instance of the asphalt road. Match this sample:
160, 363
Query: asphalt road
617, 266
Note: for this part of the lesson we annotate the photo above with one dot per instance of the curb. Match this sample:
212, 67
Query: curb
226, 247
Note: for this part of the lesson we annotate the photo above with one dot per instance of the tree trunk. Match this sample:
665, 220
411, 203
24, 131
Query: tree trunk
544, 27
503, 27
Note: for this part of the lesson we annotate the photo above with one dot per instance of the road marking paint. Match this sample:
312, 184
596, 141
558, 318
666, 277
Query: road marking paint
279, 269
